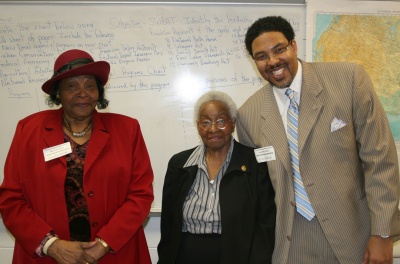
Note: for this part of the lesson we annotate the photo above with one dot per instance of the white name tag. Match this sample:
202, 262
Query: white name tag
265, 154
57, 151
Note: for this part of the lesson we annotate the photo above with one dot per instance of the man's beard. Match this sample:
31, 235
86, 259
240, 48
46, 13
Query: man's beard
284, 85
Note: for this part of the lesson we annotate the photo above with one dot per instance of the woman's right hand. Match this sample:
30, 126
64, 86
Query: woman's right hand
70, 252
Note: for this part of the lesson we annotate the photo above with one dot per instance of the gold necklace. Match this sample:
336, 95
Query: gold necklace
77, 134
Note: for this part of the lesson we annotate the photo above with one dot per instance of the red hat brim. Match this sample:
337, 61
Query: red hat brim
100, 69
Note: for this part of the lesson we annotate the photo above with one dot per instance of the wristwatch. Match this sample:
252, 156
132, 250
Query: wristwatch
103, 243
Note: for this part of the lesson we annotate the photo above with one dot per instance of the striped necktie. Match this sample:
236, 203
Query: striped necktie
303, 204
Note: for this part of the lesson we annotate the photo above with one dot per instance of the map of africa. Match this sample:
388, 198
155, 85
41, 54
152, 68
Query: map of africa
371, 40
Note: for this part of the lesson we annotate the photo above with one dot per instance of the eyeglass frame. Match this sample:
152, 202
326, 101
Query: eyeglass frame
214, 123
266, 58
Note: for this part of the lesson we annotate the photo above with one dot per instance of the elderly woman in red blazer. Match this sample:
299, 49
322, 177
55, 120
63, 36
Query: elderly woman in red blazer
77, 183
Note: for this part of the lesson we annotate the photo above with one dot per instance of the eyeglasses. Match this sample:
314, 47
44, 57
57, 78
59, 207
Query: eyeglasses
207, 124
263, 58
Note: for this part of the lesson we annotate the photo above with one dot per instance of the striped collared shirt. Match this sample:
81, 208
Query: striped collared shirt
201, 210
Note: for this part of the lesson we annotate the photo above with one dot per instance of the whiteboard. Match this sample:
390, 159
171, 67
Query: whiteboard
163, 57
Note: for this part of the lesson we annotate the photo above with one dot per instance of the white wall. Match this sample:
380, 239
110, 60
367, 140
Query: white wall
152, 230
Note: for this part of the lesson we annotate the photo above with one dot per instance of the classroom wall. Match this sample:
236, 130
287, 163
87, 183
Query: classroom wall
164, 54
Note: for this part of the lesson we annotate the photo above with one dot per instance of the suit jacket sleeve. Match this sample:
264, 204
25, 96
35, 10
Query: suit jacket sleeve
265, 218
177, 183
378, 154
16, 209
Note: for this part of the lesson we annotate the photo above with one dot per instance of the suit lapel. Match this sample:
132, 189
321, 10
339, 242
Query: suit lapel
310, 109
186, 177
98, 140
273, 129
310, 105
54, 134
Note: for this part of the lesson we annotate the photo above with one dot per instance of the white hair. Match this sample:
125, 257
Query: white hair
215, 96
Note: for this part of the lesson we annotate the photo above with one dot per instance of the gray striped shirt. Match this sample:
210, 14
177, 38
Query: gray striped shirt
201, 210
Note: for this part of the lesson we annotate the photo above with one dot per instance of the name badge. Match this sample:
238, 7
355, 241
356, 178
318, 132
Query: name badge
57, 151
265, 154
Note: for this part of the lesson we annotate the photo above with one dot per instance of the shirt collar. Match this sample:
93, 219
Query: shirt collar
198, 156
295, 86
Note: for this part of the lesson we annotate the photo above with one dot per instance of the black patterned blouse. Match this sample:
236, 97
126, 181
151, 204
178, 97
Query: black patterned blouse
78, 214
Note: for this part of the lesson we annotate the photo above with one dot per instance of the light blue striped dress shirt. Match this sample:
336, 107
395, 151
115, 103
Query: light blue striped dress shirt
201, 210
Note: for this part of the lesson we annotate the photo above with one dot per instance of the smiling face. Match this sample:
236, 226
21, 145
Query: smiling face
78, 96
281, 66
216, 139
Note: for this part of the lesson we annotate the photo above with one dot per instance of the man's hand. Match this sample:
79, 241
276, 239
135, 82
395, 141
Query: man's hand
69, 252
379, 251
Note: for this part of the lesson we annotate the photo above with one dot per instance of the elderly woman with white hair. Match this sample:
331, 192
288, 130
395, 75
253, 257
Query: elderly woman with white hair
218, 201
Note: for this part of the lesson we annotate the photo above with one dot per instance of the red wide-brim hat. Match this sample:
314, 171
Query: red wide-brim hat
77, 62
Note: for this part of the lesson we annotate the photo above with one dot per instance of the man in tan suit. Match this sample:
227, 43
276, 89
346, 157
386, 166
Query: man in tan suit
346, 152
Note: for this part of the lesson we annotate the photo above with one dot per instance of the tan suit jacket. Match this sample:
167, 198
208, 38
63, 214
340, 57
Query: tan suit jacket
351, 175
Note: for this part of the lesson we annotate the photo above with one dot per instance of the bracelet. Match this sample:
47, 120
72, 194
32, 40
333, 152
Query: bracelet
103, 243
48, 244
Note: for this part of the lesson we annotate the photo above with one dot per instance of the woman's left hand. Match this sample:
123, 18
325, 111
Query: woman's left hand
97, 251
71, 252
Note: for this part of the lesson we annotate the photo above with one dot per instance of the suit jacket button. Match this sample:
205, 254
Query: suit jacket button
95, 224
292, 203
90, 194
244, 168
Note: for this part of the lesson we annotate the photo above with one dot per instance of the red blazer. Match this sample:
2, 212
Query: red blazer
117, 182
